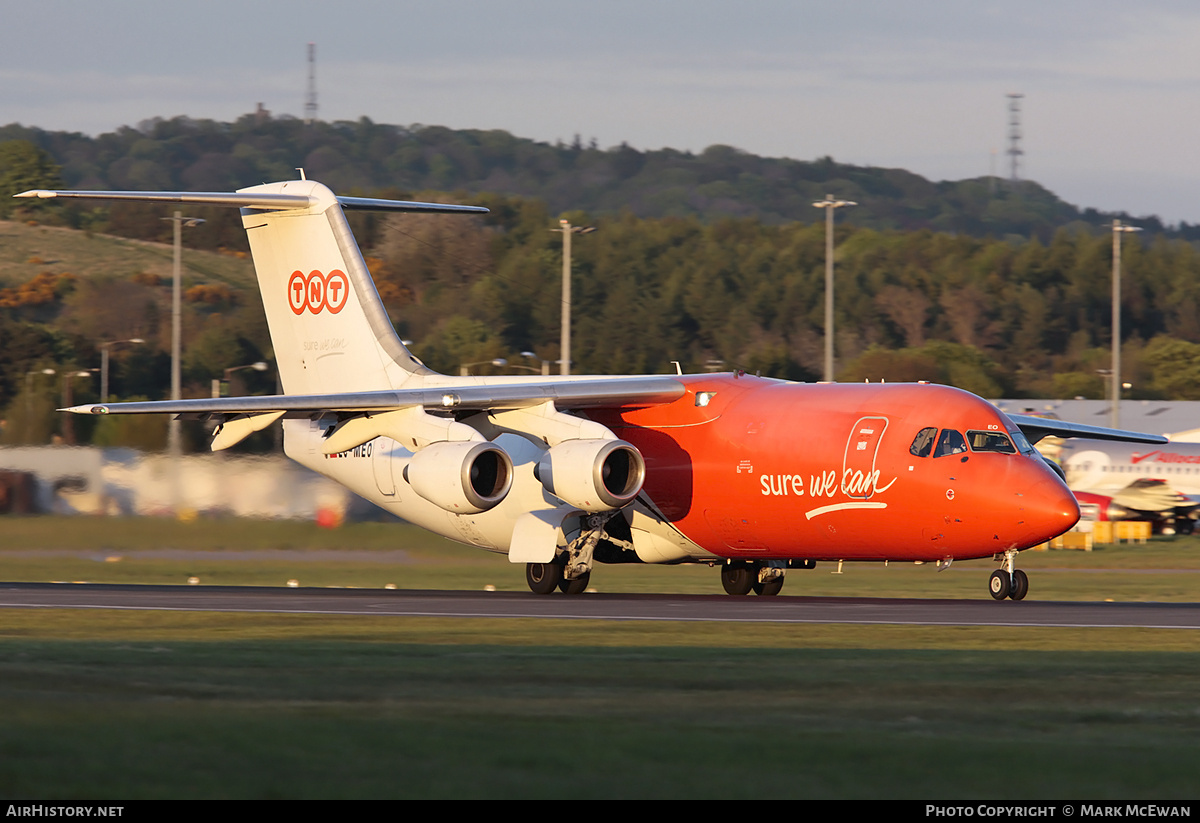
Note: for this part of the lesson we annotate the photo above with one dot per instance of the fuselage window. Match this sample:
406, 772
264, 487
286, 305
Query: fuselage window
922, 444
990, 442
951, 442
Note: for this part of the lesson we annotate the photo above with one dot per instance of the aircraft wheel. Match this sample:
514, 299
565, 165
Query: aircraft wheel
737, 578
576, 586
1000, 584
543, 578
1020, 585
770, 588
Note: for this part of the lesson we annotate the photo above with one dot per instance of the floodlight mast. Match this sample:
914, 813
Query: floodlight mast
829, 204
565, 227
1115, 377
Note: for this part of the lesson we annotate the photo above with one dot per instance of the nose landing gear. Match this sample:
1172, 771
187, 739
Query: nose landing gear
1008, 582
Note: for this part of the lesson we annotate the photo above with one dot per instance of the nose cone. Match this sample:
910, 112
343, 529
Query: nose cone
1048, 506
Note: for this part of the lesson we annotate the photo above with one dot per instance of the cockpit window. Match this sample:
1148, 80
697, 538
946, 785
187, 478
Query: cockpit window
1022, 442
990, 442
922, 444
951, 442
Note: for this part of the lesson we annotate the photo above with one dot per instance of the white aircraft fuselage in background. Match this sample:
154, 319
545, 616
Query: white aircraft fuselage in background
1129, 481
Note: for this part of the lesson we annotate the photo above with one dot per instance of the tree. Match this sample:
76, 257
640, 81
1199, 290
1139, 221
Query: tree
23, 166
1174, 368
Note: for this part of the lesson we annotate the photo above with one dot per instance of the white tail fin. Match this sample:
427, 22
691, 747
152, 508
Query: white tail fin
328, 326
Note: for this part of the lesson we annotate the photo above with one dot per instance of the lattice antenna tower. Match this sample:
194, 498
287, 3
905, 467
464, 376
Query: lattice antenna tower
1014, 136
310, 101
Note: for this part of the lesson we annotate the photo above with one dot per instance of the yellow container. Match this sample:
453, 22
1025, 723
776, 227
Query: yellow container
1132, 530
1078, 541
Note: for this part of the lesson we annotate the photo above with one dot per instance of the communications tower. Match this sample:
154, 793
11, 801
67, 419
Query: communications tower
310, 101
1014, 136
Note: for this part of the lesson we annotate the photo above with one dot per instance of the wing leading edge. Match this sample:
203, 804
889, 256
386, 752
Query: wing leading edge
567, 394
249, 199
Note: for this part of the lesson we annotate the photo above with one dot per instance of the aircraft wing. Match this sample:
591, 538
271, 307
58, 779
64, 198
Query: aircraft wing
579, 393
239, 417
1035, 428
1152, 496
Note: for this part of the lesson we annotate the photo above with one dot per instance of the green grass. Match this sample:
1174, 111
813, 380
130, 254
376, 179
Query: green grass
373, 555
28, 250
118, 705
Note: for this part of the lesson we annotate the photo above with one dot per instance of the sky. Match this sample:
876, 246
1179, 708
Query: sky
1107, 116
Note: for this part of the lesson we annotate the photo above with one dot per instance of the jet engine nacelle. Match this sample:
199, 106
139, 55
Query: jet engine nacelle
593, 475
462, 477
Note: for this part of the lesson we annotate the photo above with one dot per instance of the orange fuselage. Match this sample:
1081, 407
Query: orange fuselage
754, 468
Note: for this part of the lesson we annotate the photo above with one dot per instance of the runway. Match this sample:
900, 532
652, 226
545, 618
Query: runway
653, 607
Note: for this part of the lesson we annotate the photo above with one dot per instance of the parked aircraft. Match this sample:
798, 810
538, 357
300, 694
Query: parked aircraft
1121, 481
755, 476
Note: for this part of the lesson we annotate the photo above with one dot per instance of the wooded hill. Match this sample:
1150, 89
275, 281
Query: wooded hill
997, 314
369, 158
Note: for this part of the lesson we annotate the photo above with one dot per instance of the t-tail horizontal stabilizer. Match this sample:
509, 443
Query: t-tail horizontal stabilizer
330, 331
255, 200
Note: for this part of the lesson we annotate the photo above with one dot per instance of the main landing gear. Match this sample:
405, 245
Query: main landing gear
570, 570
544, 578
739, 577
1008, 582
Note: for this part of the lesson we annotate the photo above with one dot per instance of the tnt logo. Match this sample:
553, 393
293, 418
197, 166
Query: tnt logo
316, 292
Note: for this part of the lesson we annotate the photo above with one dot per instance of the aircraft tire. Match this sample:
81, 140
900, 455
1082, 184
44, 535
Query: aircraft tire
999, 584
576, 586
737, 578
543, 578
1020, 585
770, 588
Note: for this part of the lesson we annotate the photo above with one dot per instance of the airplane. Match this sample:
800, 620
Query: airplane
1120, 481
755, 476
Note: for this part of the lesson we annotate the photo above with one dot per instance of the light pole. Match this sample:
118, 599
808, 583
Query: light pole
544, 369
176, 313
68, 391
104, 347
565, 341
829, 204
216, 384
173, 433
1117, 230
465, 369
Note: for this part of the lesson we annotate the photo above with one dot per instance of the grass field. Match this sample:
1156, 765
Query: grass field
107, 704
373, 555
28, 250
